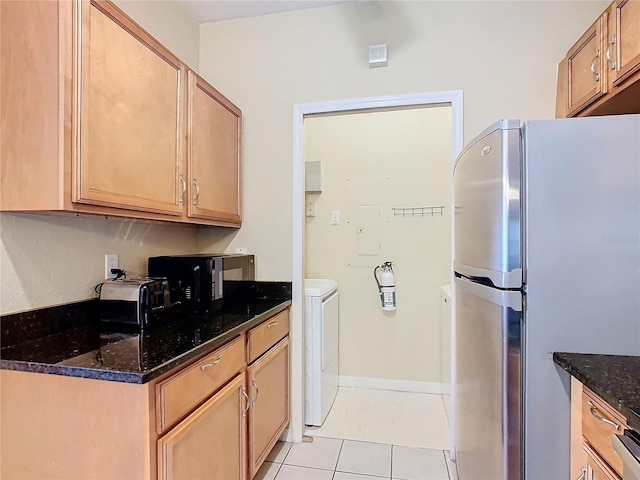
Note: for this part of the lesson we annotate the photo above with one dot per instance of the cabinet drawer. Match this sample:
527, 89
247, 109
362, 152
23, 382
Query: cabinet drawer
265, 335
597, 428
179, 394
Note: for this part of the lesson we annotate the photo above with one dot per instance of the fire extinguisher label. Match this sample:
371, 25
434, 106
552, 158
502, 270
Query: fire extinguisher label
388, 299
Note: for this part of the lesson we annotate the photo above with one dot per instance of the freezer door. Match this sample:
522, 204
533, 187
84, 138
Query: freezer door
487, 206
488, 388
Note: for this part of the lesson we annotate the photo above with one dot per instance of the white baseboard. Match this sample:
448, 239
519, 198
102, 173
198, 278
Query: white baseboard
395, 385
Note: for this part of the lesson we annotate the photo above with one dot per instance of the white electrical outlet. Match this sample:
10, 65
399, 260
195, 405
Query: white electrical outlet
335, 217
110, 261
311, 209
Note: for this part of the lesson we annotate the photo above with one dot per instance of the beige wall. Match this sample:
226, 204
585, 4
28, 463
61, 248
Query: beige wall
169, 23
384, 160
48, 260
503, 55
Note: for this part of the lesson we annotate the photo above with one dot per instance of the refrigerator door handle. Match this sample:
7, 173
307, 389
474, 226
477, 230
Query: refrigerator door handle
512, 279
506, 298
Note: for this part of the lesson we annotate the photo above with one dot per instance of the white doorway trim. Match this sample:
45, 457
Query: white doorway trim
453, 98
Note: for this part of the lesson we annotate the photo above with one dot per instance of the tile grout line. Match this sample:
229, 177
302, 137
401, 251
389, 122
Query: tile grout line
335, 468
278, 470
446, 464
391, 472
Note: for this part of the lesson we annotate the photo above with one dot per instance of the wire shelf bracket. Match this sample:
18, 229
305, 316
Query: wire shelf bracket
418, 211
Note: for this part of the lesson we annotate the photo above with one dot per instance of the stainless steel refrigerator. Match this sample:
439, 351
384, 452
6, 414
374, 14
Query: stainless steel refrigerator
546, 258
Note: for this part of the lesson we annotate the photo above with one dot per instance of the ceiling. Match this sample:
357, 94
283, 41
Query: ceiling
204, 11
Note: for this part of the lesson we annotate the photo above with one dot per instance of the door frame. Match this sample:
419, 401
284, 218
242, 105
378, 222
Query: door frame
454, 98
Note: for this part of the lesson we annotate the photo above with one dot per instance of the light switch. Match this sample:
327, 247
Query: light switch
335, 217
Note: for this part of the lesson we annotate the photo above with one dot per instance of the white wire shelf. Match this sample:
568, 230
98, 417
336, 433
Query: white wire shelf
418, 211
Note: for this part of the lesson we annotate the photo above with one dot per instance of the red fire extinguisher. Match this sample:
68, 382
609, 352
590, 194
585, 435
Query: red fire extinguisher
386, 286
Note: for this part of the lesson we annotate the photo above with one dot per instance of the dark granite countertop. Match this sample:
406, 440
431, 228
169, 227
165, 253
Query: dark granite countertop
68, 340
615, 378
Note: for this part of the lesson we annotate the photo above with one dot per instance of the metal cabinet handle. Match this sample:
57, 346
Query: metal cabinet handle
593, 66
184, 188
594, 411
273, 324
583, 473
212, 364
195, 199
253, 402
612, 42
246, 409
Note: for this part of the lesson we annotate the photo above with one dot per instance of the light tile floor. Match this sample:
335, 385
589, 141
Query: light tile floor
382, 416
371, 435
337, 459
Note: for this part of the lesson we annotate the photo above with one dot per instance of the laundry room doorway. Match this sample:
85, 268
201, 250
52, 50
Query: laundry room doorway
378, 189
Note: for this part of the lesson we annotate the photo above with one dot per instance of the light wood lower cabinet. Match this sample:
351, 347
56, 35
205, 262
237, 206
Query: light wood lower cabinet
596, 468
211, 442
593, 424
213, 419
268, 382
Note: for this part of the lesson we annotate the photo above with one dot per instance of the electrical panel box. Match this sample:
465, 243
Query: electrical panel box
313, 177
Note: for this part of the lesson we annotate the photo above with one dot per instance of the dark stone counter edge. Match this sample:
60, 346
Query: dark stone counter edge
140, 378
606, 394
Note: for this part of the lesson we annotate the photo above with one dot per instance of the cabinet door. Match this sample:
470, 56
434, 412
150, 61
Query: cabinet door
597, 469
585, 69
211, 442
130, 118
626, 41
213, 154
268, 384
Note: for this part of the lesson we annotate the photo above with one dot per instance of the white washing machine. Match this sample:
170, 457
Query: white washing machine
321, 348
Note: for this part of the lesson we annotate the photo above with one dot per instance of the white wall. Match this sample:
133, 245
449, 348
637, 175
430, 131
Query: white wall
382, 160
49, 260
503, 55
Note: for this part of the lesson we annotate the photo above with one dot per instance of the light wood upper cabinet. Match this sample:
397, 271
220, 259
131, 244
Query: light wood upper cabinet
268, 387
130, 115
624, 40
211, 442
600, 74
94, 117
33, 135
213, 153
585, 69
